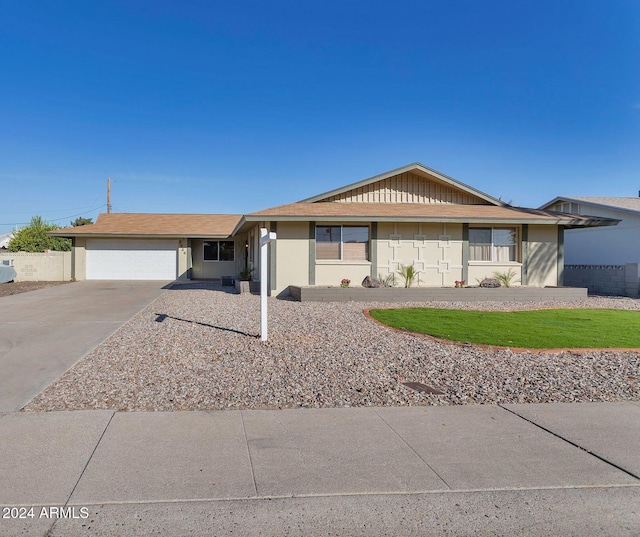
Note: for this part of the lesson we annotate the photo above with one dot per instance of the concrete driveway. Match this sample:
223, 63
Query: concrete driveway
43, 333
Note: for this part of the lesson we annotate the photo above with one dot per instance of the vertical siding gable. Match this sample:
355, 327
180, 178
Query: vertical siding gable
408, 188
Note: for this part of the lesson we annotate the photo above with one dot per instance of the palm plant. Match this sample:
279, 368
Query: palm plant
408, 273
506, 278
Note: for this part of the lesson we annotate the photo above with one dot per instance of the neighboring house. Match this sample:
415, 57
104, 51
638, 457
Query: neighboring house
412, 215
601, 245
5, 240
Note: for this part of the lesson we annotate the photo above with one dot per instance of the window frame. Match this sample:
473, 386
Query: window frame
341, 242
218, 250
516, 245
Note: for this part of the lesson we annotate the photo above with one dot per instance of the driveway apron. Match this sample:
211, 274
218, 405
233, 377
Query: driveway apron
43, 333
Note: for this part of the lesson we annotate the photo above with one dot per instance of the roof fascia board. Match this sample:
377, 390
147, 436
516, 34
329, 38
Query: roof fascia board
238, 227
415, 166
469, 220
137, 236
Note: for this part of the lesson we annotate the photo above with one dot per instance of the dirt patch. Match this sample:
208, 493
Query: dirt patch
14, 288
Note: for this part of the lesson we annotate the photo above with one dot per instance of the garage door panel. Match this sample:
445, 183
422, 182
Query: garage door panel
115, 259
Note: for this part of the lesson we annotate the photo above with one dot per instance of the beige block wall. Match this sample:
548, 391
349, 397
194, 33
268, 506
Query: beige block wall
434, 249
44, 267
542, 266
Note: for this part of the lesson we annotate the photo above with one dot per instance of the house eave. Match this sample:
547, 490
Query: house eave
137, 235
566, 222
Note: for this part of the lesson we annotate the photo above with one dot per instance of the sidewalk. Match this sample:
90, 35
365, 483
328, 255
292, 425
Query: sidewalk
463, 470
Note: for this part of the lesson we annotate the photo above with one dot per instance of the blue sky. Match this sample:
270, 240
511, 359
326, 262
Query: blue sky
219, 107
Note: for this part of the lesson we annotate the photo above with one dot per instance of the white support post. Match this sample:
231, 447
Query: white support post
265, 239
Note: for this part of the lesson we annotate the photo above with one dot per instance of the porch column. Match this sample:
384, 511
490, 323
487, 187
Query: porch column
312, 253
373, 255
465, 252
560, 255
525, 254
273, 246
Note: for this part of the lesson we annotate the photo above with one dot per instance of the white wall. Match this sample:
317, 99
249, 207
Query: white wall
609, 245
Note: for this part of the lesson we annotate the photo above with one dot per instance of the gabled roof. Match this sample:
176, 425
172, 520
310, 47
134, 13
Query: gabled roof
412, 212
631, 205
155, 225
418, 169
479, 208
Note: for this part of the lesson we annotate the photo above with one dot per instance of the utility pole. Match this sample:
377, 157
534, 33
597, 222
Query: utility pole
108, 194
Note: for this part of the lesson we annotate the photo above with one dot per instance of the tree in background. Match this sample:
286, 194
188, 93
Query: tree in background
34, 238
81, 221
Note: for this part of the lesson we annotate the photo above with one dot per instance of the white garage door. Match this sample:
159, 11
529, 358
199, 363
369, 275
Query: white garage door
118, 259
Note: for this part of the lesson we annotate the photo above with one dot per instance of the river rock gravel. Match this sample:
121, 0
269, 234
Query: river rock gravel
197, 347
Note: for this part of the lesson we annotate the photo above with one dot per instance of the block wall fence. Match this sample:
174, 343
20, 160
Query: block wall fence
619, 280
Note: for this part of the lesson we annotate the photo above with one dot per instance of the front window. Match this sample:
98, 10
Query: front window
348, 243
497, 245
218, 251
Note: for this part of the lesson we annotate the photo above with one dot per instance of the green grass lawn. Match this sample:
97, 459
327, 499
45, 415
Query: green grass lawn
539, 329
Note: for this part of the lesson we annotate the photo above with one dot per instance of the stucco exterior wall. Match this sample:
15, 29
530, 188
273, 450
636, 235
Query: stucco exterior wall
292, 255
43, 267
207, 270
609, 245
434, 249
479, 270
184, 259
79, 259
333, 272
542, 256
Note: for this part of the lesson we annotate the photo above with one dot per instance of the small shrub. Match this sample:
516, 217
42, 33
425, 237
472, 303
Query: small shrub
408, 273
506, 278
387, 281
245, 275
345, 282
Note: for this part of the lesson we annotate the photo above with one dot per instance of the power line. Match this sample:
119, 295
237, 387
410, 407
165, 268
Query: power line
57, 219
51, 210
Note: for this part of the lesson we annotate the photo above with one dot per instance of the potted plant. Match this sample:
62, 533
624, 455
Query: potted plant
345, 282
243, 283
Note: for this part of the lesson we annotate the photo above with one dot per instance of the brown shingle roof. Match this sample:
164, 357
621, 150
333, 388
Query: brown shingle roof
424, 212
156, 225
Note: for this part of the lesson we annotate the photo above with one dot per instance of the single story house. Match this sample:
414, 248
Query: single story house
412, 215
5, 240
601, 245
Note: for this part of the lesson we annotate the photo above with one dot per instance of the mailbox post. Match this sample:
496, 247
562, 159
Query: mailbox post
265, 239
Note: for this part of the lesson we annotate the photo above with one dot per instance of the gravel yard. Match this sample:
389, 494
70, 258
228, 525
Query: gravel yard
197, 347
